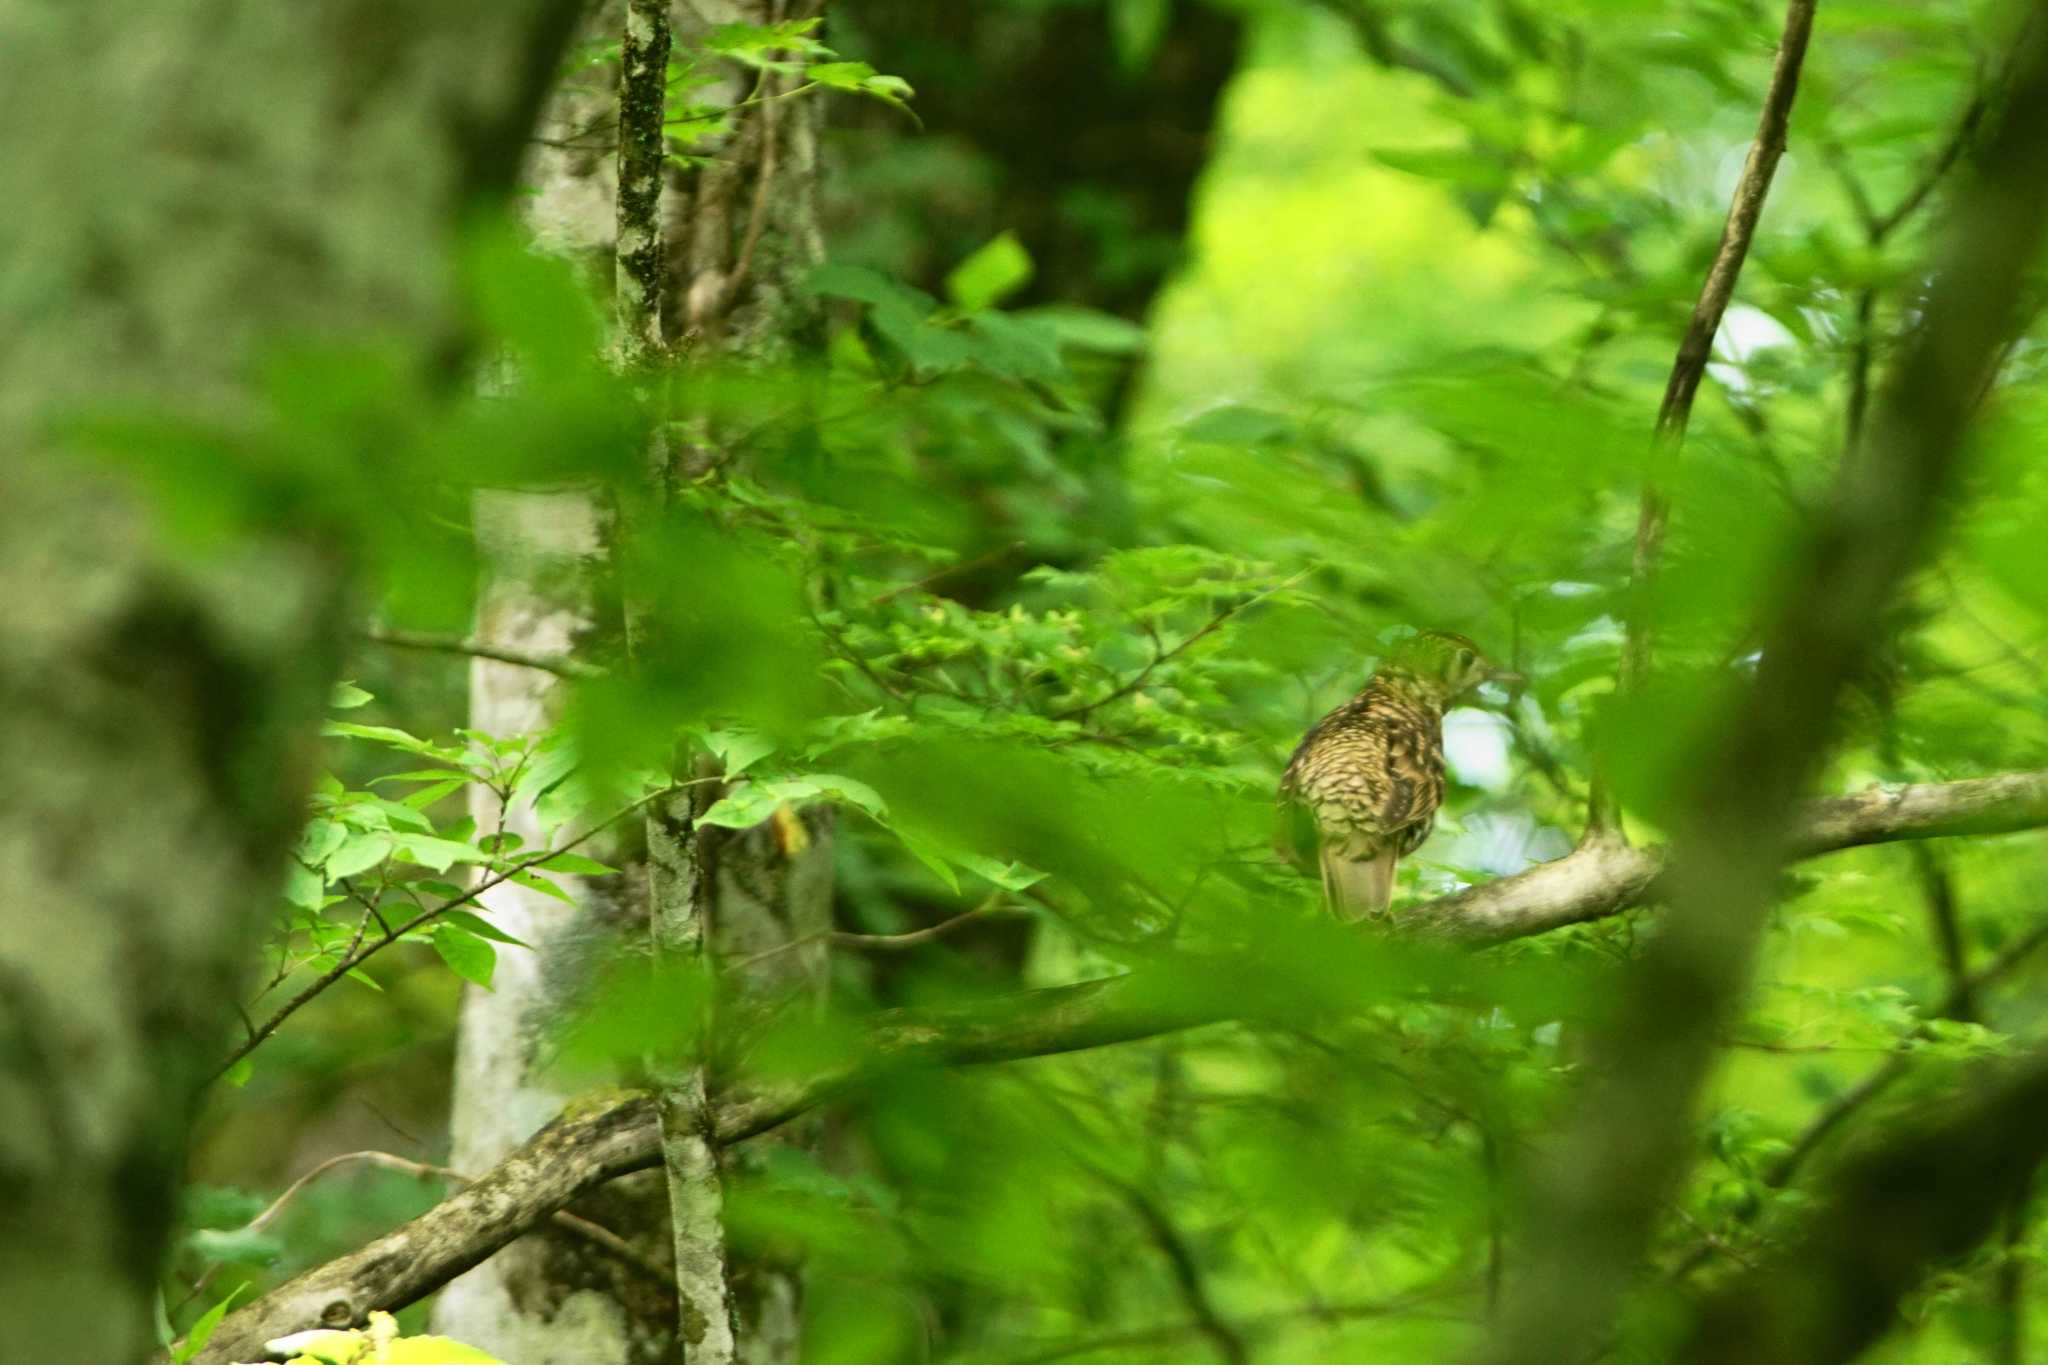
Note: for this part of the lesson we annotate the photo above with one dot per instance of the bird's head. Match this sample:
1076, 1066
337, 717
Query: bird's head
1440, 666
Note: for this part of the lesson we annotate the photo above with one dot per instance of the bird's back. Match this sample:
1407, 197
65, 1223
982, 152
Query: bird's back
1372, 767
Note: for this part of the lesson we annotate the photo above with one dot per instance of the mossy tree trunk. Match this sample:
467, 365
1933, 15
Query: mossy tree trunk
188, 183
734, 238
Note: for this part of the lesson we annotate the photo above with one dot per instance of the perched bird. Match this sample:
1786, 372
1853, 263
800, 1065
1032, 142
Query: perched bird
1369, 776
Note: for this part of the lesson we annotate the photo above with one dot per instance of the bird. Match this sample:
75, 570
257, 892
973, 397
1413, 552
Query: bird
1369, 776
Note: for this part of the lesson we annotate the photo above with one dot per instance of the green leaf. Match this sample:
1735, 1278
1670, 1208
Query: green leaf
840, 75
424, 775
235, 1244
1009, 876
1014, 349
891, 90
482, 928
238, 1075
1232, 424
321, 837
849, 789
750, 43
438, 854
929, 348
1463, 169
358, 853
347, 697
998, 269
744, 807
1136, 28
867, 286
466, 953
202, 1330
578, 865
931, 855
427, 796
533, 881
304, 887
381, 734
397, 812
738, 750
1085, 329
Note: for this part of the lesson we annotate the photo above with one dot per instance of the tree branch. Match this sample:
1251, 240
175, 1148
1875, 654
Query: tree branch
1696, 347
1628, 1137
1962, 994
575, 1153
621, 1134
1894, 1212
454, 644
1162, 656
359, 952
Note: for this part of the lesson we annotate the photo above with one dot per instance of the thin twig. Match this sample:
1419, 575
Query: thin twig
1379, 43
1878, 226
1159, 656
1745, 208
357, 956
1265, 1324
1951, 152
2010, 1285
757, 212
948, 572
1963, 990
454, 644
877, 943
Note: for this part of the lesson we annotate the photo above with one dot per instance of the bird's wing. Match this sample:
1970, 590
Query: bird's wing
1414, 777
1294, 829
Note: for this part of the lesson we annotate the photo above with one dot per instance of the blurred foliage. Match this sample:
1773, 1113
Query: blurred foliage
1047, 638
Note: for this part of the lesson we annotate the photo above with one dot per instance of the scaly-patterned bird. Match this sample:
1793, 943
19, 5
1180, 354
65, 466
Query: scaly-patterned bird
1369, 776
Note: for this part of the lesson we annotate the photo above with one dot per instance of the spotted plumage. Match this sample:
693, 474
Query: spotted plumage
1367, 779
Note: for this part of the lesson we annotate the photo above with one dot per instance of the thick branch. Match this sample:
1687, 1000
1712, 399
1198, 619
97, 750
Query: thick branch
569, 1156
576, 1154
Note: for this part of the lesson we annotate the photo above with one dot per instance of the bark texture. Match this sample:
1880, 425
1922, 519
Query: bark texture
187, 183
600, 176
643, 105
748, 226
549, 1297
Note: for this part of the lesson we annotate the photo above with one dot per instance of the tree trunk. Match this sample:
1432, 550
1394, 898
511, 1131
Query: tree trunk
548, 1297
545, 1298
750, 233
189, 183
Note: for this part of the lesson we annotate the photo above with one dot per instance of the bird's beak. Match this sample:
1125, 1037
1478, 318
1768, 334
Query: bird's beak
1508, 681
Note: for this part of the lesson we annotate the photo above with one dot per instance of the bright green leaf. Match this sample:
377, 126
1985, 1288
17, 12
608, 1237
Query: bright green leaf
998, 269
467, 953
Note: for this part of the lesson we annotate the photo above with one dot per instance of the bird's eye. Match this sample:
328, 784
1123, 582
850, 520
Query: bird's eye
1465, 658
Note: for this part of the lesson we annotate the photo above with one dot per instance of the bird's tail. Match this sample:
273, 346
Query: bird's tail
1358, 883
